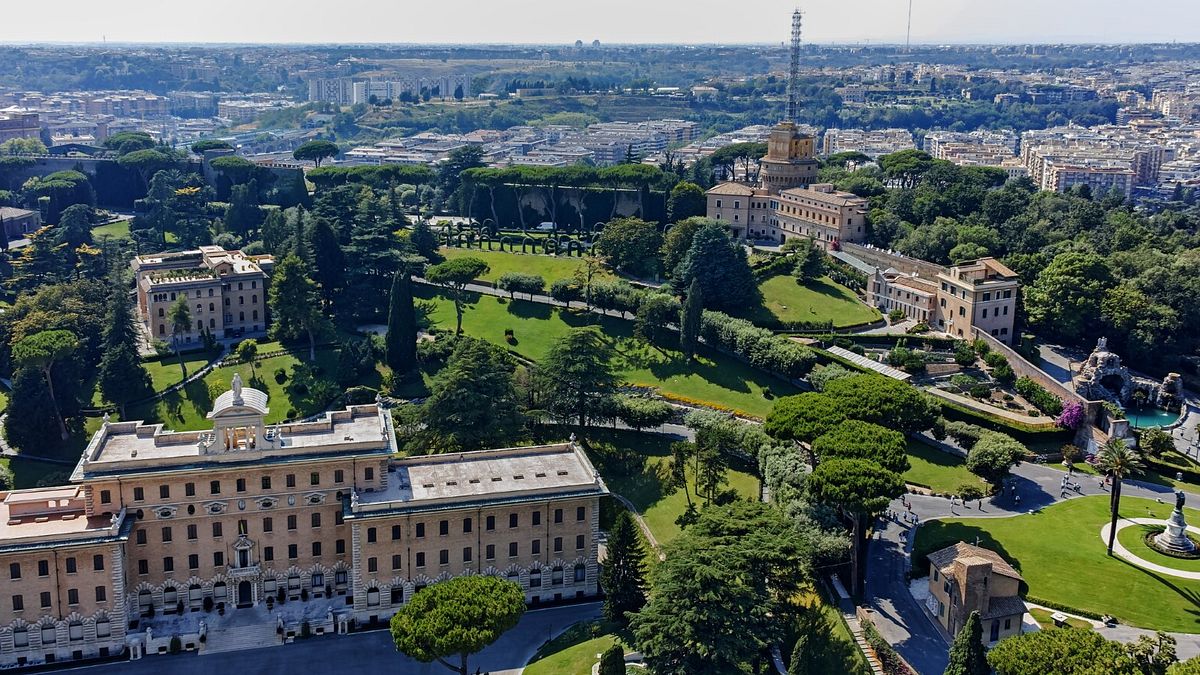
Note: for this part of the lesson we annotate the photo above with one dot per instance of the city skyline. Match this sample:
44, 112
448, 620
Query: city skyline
613, 22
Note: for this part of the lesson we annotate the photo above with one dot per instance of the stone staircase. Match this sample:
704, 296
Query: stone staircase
856, 631
233, 638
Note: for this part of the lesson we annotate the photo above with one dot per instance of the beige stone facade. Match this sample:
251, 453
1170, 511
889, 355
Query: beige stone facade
159, 523
226, 292
964, 579
64, 596
978, 294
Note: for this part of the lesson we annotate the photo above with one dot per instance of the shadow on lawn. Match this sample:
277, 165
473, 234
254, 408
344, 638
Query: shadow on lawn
626, 466
1188, 595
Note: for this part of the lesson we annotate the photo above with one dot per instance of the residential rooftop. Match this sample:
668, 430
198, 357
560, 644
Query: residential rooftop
51, 516
969, 554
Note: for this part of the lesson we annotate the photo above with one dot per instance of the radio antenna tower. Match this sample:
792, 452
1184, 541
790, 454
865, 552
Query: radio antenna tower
793, 91
908, 32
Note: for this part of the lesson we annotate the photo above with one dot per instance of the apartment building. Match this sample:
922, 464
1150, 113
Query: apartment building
226, 292
164, 530
964, 579
871, 143
18, 124
978, 294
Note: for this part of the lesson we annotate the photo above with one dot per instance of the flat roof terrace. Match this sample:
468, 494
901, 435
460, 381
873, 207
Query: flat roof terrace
51, 516
509, 474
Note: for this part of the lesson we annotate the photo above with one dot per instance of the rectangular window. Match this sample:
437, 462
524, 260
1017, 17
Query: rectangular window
219, 559
240, 485
316, 548
293, 552
18, 603
268, 553
268, 524
579, 542
466, 525
138, 494
164, 491
191, 532
339, 476
535, 547
369, 473
338, 518
467, 554
72, 596
371, 535
512, 520
491, 551
443, 528
189, 490
537, 518
580, 513
168, 564
143, 567
217, 529
101, 594
316, 520
166, 535
558, 515
266, 482
214, 487
43, 568
291, 522
45, 599
421, 559
339, 546
512, 550
558, 544
395, 532
396, 561
139, 537
14, 570
314, 478
444, 556
97, 562
491, 523
193, 561
105, 497
71, 566
291, 480
420, 530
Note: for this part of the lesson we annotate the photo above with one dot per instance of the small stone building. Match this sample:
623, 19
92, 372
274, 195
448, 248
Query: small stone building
964, 578
18, 223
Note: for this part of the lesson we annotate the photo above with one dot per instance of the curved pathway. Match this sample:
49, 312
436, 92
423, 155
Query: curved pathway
1121, 551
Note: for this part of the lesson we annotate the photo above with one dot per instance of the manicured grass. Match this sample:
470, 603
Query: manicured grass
575, 651
1134, 539
116, 230
186, 409
841, 642
165, 372
638, 467
713, 378
549, 267
1060, 554
940, 471
1042, 616
786, 300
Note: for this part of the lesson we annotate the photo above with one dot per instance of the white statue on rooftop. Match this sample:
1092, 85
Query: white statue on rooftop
237, 388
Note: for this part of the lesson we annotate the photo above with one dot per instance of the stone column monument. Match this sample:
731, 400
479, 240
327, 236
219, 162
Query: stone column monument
1175, 538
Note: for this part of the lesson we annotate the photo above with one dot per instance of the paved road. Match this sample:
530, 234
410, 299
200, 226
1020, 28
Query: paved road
905, 624
361, 653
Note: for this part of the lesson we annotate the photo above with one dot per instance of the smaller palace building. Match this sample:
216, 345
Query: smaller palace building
964, 578
165, 533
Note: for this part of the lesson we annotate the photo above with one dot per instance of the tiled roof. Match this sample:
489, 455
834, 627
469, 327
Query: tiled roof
733, 189
1008, 605
944, 559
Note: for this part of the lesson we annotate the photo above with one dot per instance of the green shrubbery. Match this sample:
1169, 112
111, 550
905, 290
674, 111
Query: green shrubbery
759, 346
1038, 396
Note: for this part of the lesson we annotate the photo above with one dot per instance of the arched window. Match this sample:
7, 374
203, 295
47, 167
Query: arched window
255, 315
211, 307
162, 329
75, 631
20, 637
580, 573
145, 600
103, 628
241, 316
49, 634
372, 597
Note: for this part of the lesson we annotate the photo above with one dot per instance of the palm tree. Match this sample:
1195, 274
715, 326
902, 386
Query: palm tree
1118, 460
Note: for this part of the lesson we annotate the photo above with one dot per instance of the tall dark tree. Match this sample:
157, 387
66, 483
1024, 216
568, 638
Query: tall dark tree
689, 320
243, 216
968, 656
472, 402
401, 338
577, 378
121, 376
296, 305
721, 267
329, 261
425, 241
687, 200
41, 352
623, 577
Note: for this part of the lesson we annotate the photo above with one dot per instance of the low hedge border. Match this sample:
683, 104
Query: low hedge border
1050, 604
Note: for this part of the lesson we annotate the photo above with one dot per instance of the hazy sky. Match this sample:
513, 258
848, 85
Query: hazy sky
559, 21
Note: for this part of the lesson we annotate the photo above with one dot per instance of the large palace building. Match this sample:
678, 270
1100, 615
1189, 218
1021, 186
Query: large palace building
162, 530
787, 203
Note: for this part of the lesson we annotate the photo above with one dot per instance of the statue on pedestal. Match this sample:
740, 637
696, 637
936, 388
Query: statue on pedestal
237, 388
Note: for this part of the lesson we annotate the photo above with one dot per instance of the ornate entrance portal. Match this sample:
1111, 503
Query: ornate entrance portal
245, 594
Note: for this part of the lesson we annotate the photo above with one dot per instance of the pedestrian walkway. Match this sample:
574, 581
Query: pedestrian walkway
1120, 550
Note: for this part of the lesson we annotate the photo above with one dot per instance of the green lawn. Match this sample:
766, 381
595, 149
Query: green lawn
637, 467
713, 378
28, 473
575, 651
186, 409
786, 300
1134, 539
120, 230
1059, 553
940, 471
549, 267
1042, 616
165, 372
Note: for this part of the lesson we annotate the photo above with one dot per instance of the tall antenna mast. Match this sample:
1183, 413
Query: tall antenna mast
794, 71
908, 32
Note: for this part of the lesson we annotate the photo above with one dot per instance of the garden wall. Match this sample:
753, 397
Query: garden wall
1024, 368
883, 260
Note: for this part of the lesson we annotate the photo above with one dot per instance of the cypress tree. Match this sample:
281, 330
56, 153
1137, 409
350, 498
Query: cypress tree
612, 662
689, 321
623, 577
401, 339
968, 655
121, 377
